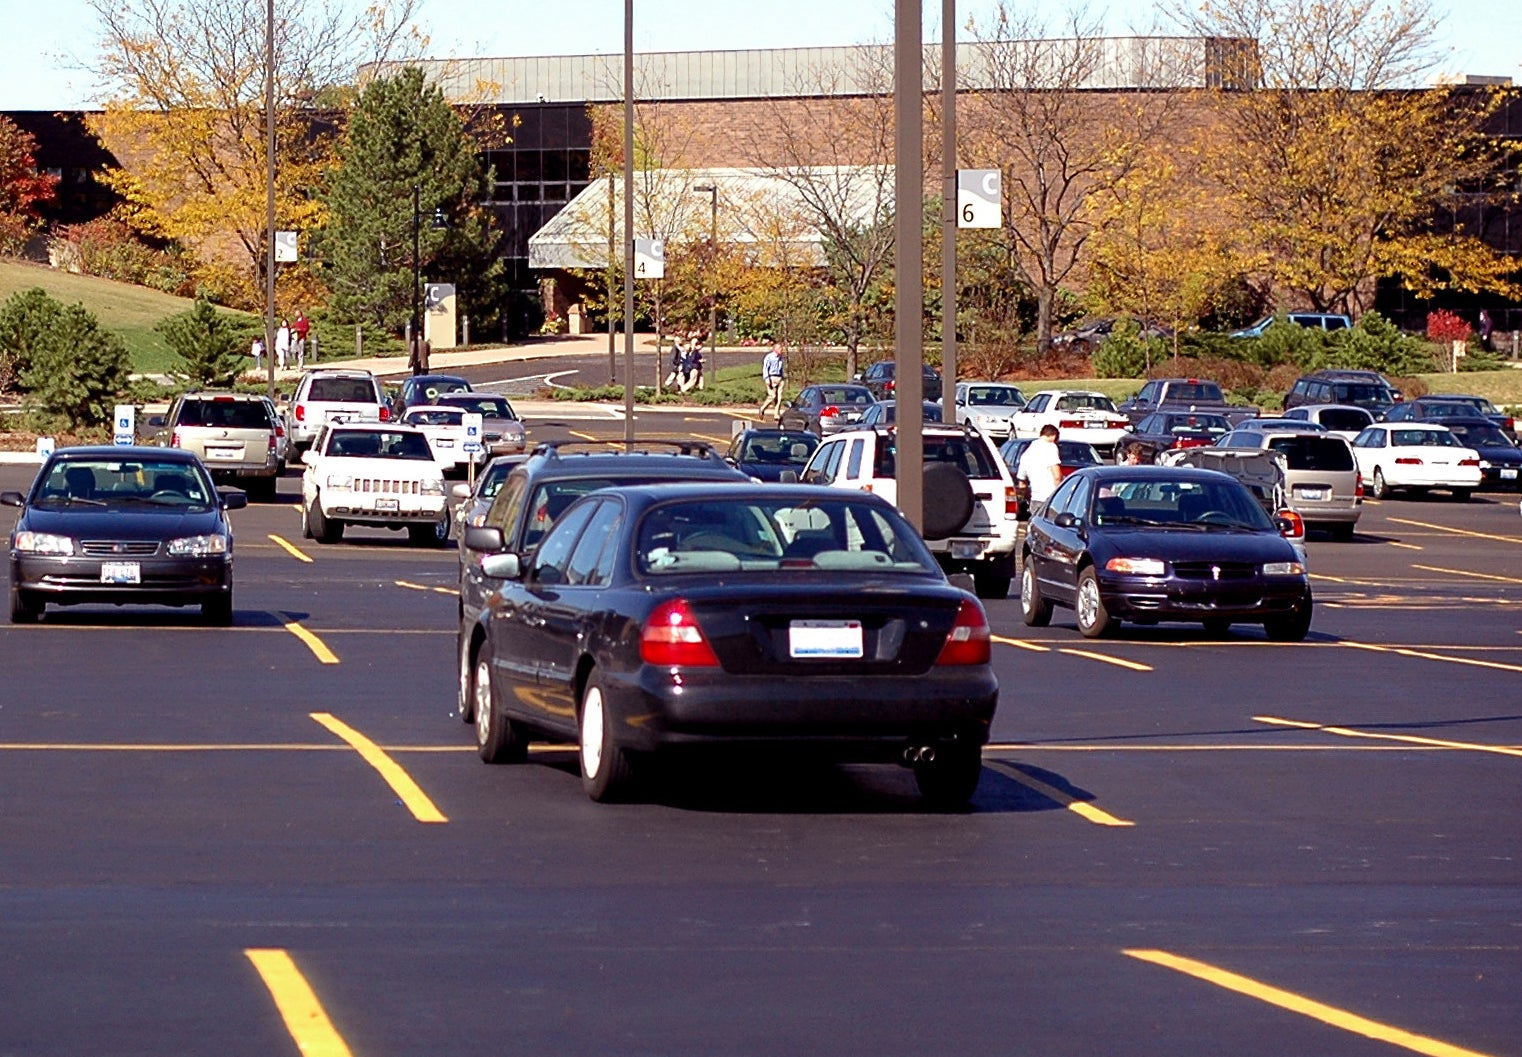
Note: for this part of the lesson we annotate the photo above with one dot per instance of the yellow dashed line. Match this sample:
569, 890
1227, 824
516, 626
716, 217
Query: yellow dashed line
312, 642
399, 780
1105, 659
1337, 1018
1410, 739
1020, 644
1457, 531
290, 548
1078, 807
299, 1007
424, 587
1405, 546
1423, 655
1466, 572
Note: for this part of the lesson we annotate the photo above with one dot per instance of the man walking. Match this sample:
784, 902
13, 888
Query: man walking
1041, 468
773, 370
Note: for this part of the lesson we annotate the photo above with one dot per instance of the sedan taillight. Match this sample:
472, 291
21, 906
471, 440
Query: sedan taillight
385, 413
301, 412
1408, 461
1469, 462
672, 637
968, 641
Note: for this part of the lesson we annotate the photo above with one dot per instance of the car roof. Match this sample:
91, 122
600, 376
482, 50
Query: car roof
124, 451
1334, 407
354, 372
1107, 472
1413, 423
367, 426
219, 394
1078, 392
741, 489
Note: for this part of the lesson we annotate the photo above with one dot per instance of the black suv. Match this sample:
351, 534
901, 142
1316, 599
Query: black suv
879, 378
538, 490
1366, 389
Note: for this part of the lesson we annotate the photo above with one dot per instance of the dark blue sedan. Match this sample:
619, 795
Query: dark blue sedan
1500, 459
773, 619
1154, 543
122, 525
765, 453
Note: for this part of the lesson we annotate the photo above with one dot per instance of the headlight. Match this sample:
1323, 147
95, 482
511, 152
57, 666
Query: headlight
198, 546
1283, 569
43, 543
339, 482
1136, 566
431, 486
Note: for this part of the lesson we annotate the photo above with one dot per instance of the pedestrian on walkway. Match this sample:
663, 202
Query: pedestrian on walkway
256, 350
678, 364
692, 365
282, 344
299, 330
774, 373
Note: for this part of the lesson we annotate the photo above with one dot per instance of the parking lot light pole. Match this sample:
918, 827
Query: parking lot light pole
712, 190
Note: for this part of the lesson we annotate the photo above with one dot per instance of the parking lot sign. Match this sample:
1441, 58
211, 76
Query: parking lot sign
472, 422
124, 428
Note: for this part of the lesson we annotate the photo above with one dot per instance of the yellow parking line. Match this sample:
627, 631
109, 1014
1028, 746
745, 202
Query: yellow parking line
1410, 739
1105, 659
1020, 644
1274, 996
1425, 656
583, 436
1466, 572
303, 1014
424, 587
1405, 546
1457, 531
400, 781
1078, 807
312, 642
290, 548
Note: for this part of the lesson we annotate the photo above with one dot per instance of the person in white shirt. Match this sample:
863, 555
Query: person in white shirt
1041, 468
282, 344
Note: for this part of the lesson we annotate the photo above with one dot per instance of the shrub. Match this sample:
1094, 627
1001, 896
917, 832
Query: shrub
71, 367
209, 343
1126, 353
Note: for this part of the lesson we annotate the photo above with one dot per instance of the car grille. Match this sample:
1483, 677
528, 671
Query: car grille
115, 548
385, 486
1225, 571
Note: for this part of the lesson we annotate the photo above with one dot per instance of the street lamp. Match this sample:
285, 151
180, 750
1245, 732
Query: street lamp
712, 190
439, 223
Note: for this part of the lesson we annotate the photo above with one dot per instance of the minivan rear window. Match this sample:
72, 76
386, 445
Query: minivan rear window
1314, 453
342, 390
227, 414
1346, 420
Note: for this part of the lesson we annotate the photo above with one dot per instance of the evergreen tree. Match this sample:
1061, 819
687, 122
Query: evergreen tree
403, 137
209, 343
70, 365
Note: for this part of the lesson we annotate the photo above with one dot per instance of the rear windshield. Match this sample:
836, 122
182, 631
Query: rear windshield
994, 396
1362, 395
762, 536
1199, 392
1314, 453
970, 457
853, 397
1085, 402
1345, 419
343, 390
228, 414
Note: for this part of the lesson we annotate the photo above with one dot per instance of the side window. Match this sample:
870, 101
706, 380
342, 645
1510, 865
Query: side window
506, 510
1039, 402
853, 464
831, 467
818, 468
1077, 502
1148, 394
552, 559
1062, 497
592, 561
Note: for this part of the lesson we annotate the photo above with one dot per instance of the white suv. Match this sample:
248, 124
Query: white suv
970, 519
369, 473
329, 394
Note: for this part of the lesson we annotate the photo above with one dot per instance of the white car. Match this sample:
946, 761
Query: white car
1078, 414
332, 394
381, 475
445, 429
971, 519
1345, 420
1415, 456
988, 405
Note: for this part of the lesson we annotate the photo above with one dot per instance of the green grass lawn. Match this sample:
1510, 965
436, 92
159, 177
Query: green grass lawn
128, 311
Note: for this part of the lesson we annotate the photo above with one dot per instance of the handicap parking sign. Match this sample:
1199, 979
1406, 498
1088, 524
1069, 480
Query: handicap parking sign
472, 423
124, 429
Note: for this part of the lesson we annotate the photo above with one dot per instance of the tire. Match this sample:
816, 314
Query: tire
24, 610
948, 500
948, 781
498, 739
1377, 486
1217, 627
1293, 627
606, 774
1461, 495
1035, 610
218, 612
433, 535
992, 579
1094, 621
323, 530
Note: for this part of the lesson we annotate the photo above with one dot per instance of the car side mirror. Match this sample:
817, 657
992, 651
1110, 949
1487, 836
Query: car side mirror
1065, 520
503, 566
232, 498
309, 458
12, 499
460, 491
487, 539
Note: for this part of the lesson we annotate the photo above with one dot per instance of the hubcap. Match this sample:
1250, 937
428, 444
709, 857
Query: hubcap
1088, 603
592, 720
481, 699
1027, 590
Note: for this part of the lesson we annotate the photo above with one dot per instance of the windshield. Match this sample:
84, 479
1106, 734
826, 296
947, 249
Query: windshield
761, 536
788, 449
107, 482
379, 444
485, 406
994, 396
1201, 504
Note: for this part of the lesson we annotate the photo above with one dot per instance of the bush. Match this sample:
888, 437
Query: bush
209, 343
1125, 353
71, 367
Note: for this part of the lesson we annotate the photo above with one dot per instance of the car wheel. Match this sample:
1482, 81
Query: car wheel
1217, 627
948, 780
435, 534
218, 611
1094, 621
992, 582
323, 529
606, 773
306, 522
498, 739
24, 610
465, 705
1377, 487
1036, 611
948, 500
1461, 495
1292, 627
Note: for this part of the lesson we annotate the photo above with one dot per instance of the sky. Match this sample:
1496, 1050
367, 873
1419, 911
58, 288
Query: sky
44, 58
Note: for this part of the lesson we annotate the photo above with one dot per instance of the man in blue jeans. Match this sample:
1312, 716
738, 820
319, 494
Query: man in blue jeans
773, 368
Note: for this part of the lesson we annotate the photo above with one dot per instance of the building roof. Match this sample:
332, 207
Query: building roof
1112, 63
765, 212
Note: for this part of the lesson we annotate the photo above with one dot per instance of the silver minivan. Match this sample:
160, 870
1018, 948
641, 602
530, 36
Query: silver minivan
1321, 480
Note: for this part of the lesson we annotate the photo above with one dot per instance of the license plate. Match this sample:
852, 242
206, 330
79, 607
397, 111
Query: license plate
121, 573
1508, 475
213, 454
386, 504
824, 638
1313, 493
965, 548
443, 442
